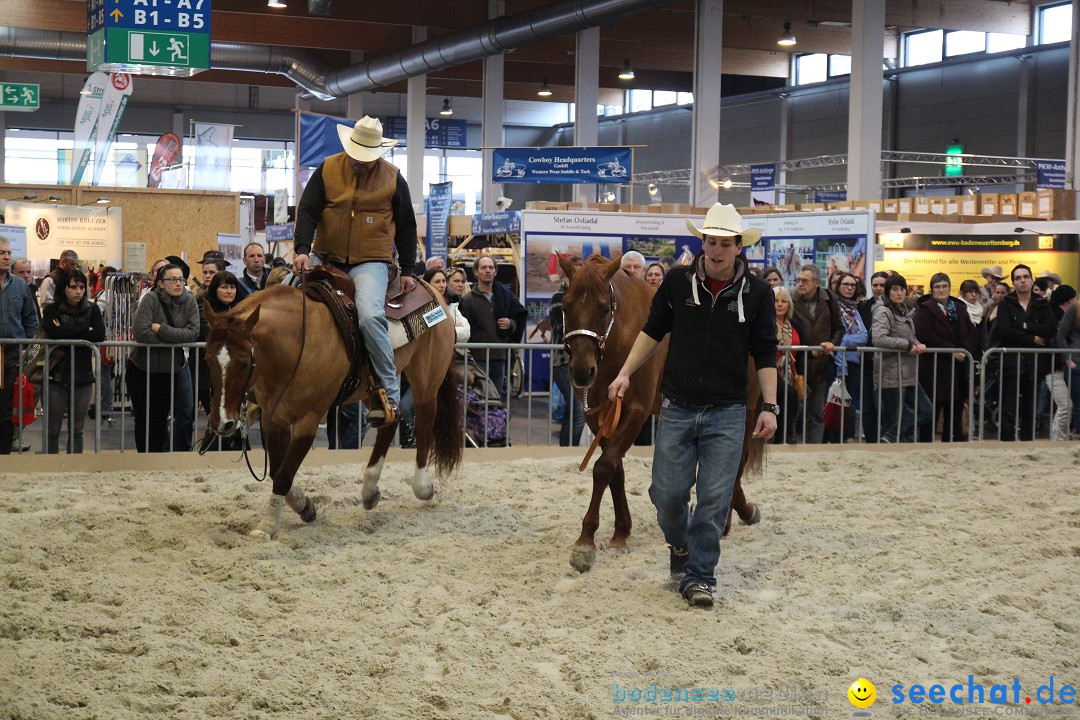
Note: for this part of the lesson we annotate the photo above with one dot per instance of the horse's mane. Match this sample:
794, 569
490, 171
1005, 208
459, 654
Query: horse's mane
589, 276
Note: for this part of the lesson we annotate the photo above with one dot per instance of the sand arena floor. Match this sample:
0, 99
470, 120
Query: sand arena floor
136, 594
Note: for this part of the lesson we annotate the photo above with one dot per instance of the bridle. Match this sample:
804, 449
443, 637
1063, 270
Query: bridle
601, 340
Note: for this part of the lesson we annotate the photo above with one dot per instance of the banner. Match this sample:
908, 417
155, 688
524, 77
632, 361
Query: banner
93, 232
113, 102
130, 168
830, 196
438, 218
165, 154
213, 156
86, 123
1051, 175
318, 138
562, 165
438, 132
763, 184
497, 223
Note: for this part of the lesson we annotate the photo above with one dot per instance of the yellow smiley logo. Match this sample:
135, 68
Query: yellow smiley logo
862, 693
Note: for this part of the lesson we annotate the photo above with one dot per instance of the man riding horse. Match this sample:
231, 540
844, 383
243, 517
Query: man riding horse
355, 209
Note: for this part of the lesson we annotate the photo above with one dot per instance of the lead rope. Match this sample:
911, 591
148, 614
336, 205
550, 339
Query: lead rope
609, 420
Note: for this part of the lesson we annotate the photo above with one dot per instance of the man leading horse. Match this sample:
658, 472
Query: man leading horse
718, 315
355, 210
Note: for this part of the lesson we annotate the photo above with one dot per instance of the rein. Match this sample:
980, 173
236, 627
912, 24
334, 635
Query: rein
609, 420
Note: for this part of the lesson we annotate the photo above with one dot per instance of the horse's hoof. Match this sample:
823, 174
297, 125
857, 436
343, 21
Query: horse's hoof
755, 516
372, 501
308, 513
260, 534
424, 493
618, 545
582, 558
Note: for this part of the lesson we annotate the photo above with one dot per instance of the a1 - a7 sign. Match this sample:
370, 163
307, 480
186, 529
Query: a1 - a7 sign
20, 97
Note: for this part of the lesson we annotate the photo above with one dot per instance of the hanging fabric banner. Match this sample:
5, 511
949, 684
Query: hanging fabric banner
213, 156
318, 138
86, 123
562, 165
763, 184
165, 154
113, 102
438, 218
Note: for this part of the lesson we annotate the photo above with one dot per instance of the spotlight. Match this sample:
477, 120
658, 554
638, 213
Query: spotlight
609, 197
544, 90
726, 183
787, 39
446, 111
504, 203
627, 72
276, 4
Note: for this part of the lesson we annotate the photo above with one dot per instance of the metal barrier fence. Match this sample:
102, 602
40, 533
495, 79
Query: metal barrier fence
968, 400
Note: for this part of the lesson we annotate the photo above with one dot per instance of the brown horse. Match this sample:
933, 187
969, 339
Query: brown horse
605, 310
292, 368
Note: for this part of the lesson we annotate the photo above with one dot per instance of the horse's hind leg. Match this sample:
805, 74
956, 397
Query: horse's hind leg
424, 432
369, 492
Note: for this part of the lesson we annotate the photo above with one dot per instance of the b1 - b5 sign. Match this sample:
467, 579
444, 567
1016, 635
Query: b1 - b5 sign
148, 37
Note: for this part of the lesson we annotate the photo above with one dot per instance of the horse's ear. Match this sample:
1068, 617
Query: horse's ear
566, 265
249, 323
612, 267
211, 317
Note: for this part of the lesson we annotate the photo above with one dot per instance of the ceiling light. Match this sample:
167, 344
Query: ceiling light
627, 71
276, 3
446, 111
787, 39
726, 183
544, 90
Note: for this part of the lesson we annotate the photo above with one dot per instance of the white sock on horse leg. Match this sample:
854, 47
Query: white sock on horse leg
296, 499
268, 525
421, 484
371, 476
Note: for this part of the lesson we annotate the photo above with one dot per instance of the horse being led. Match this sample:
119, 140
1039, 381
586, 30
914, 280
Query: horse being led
264, 351
604, 310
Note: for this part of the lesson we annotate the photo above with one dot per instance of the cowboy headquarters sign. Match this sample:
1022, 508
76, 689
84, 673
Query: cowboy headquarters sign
563, 165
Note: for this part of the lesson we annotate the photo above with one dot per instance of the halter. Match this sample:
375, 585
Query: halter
601, 340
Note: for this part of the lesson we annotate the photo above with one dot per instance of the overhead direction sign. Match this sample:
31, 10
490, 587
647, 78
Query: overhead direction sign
20, 97
148, 37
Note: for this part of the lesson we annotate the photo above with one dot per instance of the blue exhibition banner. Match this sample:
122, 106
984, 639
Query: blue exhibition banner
318, 138
829, 196
562, 165
438, 219
1051, 175
279, 233
497, 223
763, 184
438, 132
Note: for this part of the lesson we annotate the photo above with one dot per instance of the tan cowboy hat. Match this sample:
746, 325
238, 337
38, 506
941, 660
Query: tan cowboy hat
724, 221
365, 141
994, 272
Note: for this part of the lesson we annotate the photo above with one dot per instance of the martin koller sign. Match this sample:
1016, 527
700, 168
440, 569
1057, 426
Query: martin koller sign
563, 165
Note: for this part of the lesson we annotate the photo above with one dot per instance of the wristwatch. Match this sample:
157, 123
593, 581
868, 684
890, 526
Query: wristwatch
770, 407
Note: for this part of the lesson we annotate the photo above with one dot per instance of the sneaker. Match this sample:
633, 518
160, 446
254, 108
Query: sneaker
698, 595
677, 562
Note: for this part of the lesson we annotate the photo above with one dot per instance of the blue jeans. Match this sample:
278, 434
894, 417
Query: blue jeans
574, 419
915, 423
371, 279
699, 446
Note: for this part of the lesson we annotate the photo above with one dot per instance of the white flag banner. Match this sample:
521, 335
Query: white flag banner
113, 102
86, 123
213, 156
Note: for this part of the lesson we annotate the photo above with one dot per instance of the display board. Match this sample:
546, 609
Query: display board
92, 232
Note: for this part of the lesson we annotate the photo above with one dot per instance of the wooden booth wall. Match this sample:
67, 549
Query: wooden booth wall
170, 222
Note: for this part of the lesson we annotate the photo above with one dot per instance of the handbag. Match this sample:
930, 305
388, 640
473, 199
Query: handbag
24, 394
33, 359
797, 381
838, 406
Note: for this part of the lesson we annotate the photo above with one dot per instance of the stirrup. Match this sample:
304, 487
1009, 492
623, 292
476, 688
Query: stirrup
381, 411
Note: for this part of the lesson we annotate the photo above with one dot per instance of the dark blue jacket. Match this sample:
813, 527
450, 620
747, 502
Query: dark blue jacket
18, 315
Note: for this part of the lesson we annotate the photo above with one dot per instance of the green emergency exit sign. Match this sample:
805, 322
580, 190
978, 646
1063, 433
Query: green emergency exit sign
20, 97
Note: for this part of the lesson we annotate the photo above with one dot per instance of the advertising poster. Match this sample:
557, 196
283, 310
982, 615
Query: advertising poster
438, 218
94, 232
231, 246
562, 165
962, 257
166, 153
763, 184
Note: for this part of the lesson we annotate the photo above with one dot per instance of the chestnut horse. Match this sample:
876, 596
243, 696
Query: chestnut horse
604, 311
265, 350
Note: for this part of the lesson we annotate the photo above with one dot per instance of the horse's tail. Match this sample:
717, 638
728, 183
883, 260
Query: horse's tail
449, 430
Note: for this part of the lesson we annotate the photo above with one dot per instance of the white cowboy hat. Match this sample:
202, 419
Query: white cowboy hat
724, 221
992, 272
365, 141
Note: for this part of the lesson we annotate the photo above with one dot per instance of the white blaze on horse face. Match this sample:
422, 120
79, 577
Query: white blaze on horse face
223, 362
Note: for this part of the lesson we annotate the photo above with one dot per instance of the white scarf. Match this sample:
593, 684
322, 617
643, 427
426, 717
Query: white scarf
975, 312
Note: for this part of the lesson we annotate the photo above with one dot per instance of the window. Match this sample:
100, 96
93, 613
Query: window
640, 100
922, 48
1055, 23
663, 97
811, 68
1000, 42
685, 99
839, 65
962, 42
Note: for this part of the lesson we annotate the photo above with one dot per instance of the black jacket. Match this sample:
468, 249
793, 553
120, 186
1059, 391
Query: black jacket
64, 322
482, 314
1018, 328
711, 338
245, 286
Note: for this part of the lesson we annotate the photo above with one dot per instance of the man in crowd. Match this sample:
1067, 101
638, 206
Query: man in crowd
19, 321
69, 260
633, 264
495, 316
253, 279
993, 278
21, 268
362, 209
815, 310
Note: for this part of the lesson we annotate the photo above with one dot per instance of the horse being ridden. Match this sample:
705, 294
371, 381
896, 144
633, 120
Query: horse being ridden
292, 364
604, 311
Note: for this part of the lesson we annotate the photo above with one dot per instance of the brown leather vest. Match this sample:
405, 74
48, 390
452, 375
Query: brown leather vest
357, 224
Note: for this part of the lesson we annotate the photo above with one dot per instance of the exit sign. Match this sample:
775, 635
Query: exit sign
148, 37
20, 97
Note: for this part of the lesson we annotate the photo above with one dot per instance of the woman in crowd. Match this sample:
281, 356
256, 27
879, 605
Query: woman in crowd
220, 295
158, 379
772, 276
787, 396
941, 321
969, 294
654, 274
1068, 336
441, 281
848, 363
906, 412
71, 317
